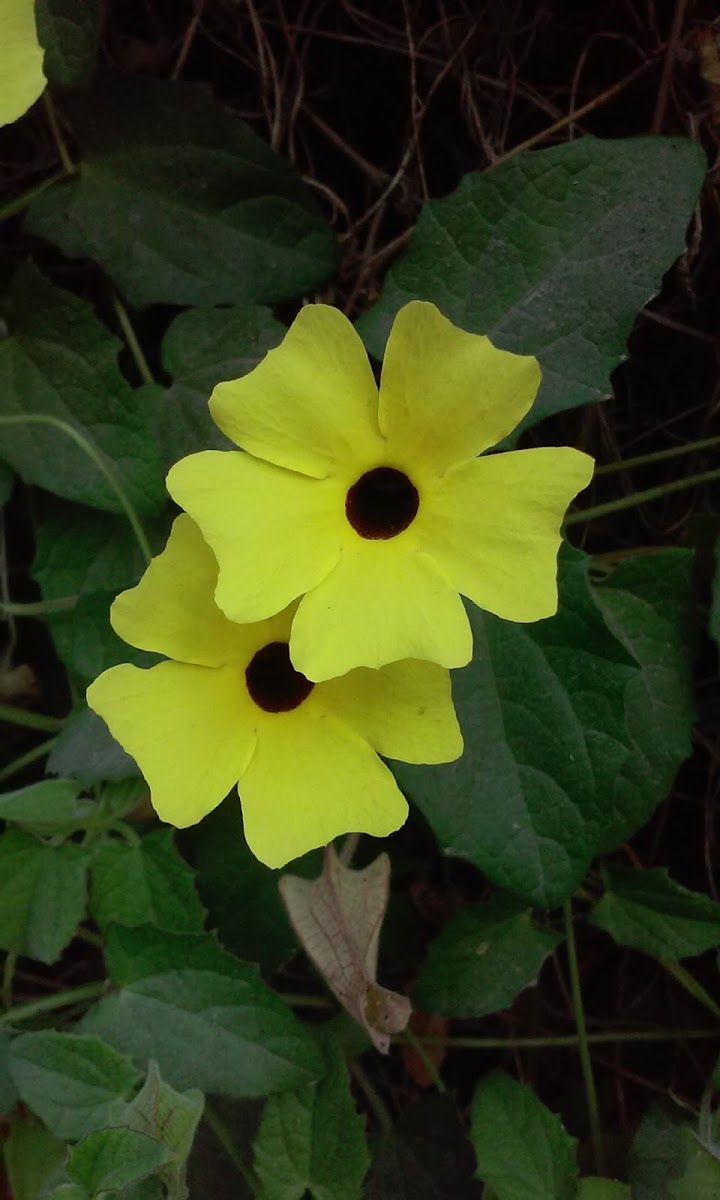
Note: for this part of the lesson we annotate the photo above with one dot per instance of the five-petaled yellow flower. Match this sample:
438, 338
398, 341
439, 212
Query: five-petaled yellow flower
230, 707
21, 59
375, 508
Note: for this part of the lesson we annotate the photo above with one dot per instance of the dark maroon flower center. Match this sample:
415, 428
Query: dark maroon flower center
382, 503
273, 682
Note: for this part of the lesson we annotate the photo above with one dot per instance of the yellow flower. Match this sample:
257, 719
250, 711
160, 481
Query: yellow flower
229, 707
375, 508
21, 76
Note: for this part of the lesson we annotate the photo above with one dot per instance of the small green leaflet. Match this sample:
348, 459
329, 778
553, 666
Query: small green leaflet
52, 806
651, 912
523, 1152
146, 883
312, 1141
482, 959
111, 1159
42, 894
74, 1082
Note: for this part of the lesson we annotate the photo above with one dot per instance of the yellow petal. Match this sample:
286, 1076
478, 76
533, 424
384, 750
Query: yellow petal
172, 610
311, 403
191, 731
21, 75
274, 533
311, 779
381, 603
404, 710
447, 395
493, 526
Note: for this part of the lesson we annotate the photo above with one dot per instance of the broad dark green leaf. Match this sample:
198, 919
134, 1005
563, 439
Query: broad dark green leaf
206, 1018
50, 807
202, 347
181, 202
232, 881
86, 642
311, 1142
59, 361
31, 1157
573, 733
74, 1082
651, 912
69, 34
42, 894
110, 1159
79, 550
484, 957
87, 751
147, 883
8, 1091
523, 1152
552, 254
426, 1157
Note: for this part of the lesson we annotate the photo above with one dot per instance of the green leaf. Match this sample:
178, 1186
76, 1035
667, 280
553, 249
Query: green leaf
552, 254
148, 883
312, 1141
202, 347
206, 1018
48, 808
79, 550
86, 750
203, 212
170, 1117
594, 1188
231, 880
74, 1082
651, 912
484, 957
700, 1179
573, 733
8, 1091
660, 1154
86, 642
110, 1159
426, 1157
42, 895
523, 1152
32, 1156
62, 363
69, 34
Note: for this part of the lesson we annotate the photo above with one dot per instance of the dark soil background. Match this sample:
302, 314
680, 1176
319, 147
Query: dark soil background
380, 106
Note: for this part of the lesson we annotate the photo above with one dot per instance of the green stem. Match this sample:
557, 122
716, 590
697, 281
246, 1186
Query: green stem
20, 203
30, 720
373, 1097
133, 344
691, 985
37, 608
26, 760
635, 498
224, 1137
46, 1004
583, 1047
460, 1042
425, 1059
642, 460
105, 470
68, 165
